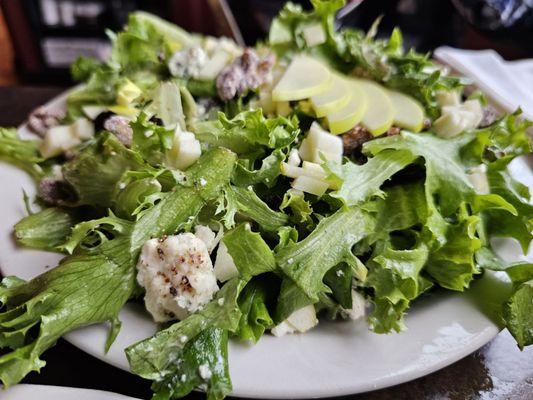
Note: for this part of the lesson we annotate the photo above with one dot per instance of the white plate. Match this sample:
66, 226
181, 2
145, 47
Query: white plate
44, 392
334, 359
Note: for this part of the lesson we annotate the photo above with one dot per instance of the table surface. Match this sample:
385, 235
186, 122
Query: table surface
499, 370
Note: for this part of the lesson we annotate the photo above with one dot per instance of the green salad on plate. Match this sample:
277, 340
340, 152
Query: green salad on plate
237, 192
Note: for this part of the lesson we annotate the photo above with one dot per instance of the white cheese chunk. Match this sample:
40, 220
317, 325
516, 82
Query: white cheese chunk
93, 111
448, 98
358, 309
57, 140
185, 150
225, 267
208, 236
478, 178
83, 128
177, 275
314, 34
320, 141
310, 185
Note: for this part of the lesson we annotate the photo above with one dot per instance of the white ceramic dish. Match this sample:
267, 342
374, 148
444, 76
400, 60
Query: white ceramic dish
44, 392
334, 359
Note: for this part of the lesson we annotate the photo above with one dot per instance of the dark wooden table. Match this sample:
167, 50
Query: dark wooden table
499, 370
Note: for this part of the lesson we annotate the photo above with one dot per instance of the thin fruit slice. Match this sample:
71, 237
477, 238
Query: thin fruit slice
305, 77
351, 114
334, 98
409, 113
379, 114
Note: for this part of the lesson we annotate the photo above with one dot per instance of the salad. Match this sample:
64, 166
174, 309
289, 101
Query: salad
241, 191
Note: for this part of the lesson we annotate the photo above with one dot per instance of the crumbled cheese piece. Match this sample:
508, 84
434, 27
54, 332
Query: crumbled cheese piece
290, 261
122, 185
187, 62
205, 372
183, 338
207, 235
339, 273
203, 182
183, 377
225, 267
221, 301
177, 274
358, 309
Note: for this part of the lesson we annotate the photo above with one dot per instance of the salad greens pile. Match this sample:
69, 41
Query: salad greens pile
404, 214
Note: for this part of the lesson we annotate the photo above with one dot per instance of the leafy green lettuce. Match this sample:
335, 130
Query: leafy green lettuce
92, 285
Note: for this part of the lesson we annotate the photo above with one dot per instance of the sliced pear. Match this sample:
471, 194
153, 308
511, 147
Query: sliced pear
305, 77
351, 114
409, 113
334, 98
379, 114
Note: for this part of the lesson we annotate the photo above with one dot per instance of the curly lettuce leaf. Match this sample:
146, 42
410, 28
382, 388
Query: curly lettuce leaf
499, 222
359, 183
245, 202
22, 153
307, 261
47, 229
249, 251
255, 314
248, 130
518, 310
395, 276
96, 170
207, 352
246, 174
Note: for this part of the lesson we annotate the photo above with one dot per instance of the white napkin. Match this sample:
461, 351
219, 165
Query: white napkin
509, 84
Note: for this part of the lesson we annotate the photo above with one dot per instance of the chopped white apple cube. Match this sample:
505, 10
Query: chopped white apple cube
225, 267
310, 185
478, 178
294, 158
300, 321
92, 111
186, 149
305, 77
323, 140
57, 140
314, 170
305, 150
127, 93
453, 123
283, 108
314, 34
475, 107
83, 128
320, 157
408, 113
214, 65
448, 98
292, 171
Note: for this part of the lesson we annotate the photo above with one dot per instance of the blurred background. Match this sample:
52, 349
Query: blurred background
40, 38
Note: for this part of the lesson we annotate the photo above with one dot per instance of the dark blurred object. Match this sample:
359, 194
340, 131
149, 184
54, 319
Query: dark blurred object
496, 14
48, 35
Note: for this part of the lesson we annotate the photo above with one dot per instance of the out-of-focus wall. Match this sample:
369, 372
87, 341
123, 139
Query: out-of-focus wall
7, 65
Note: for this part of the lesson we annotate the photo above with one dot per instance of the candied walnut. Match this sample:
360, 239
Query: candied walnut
41, 119
120, 127
393, 130
56, 191
246, 72
354, 139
